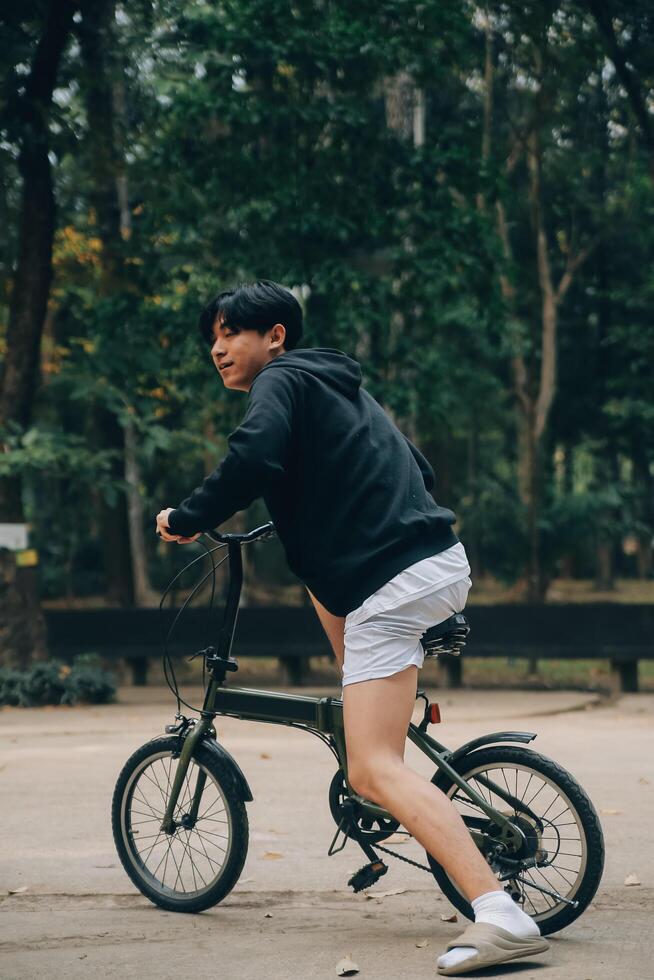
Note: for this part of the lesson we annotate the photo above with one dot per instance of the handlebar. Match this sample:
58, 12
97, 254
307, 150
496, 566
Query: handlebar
265, 531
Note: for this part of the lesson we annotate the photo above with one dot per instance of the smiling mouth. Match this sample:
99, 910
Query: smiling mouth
223, 367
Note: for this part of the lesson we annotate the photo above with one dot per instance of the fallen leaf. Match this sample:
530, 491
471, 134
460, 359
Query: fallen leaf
272, 856
645, 782
17, 891
422, 943
346, 967
393, 891
632, 880
609, 810
398, 839
264, 755
453, 917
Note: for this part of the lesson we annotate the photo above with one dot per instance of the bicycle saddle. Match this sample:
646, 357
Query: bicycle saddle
446, 637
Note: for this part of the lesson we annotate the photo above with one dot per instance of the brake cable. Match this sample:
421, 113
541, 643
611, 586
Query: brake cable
168, 667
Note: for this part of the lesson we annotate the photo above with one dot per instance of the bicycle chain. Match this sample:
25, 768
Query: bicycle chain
401, 857
416, 864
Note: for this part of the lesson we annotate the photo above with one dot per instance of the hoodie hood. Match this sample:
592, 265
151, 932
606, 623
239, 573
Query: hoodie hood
329, 365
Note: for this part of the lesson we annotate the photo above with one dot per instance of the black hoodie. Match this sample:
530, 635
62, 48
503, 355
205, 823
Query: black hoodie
347, 492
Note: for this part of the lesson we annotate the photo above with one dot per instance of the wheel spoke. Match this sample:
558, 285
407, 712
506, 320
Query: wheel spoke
147, 803
540, 800
194, 868
201, 834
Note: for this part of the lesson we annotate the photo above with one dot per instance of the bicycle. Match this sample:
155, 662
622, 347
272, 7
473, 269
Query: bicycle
180, 822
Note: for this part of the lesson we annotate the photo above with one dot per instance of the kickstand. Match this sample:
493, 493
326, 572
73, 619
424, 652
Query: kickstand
335, 850
370, 873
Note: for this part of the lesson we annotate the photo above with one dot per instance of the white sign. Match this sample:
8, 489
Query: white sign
13, 536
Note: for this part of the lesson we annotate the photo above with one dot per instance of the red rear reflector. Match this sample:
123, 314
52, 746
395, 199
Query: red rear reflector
434, 714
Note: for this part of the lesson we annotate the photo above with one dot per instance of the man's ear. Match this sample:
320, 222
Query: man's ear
278, 332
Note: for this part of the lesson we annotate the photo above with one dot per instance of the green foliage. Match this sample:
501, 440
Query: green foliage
62, 454
88, 683
53, 682
498, 522
10, 682
258, 140
44, 683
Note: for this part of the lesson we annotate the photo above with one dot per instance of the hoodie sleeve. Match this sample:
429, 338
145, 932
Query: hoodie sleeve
258, 455
426, 470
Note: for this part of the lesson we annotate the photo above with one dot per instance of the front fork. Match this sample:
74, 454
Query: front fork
194, 733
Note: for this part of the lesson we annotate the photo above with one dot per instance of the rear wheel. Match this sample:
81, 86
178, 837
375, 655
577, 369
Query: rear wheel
198, 865
563, 849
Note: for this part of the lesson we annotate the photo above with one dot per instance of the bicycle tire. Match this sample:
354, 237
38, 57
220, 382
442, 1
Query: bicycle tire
592, 847
124, 832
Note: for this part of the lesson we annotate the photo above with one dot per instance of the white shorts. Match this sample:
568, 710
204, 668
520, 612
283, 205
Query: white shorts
389, 641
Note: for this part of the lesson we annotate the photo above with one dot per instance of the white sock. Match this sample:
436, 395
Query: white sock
497, 909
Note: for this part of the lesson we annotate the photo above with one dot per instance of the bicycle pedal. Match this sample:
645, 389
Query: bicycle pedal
368, 875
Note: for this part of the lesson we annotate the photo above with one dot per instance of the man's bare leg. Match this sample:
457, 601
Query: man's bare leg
376, 716
376, 719
334, 627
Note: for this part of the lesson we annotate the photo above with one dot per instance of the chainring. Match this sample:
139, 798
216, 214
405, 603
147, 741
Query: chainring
372, 828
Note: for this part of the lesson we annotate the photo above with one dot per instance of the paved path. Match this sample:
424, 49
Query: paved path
80, 914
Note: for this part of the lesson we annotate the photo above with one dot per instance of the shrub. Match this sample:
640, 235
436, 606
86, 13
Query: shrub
53, 682
9, 685
44, 683
90, 684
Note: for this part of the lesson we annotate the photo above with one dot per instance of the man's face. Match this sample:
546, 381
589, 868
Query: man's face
244, 352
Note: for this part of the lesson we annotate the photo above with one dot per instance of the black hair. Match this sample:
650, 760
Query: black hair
254, 306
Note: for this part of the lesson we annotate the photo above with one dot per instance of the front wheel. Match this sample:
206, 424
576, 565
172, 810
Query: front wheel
563, 849
199, 864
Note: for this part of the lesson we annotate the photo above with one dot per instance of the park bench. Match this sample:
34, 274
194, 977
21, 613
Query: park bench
620, 633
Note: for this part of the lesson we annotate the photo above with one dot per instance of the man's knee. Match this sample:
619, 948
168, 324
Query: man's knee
369, 776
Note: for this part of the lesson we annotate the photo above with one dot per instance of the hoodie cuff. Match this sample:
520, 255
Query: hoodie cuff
172, 517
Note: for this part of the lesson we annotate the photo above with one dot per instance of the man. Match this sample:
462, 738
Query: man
349, 497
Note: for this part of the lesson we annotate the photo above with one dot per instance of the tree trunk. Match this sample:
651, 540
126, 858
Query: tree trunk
472, 538
533, 401
645, 484
125, 560
22, 633
604, 568
113, 518
567, 488
143, 592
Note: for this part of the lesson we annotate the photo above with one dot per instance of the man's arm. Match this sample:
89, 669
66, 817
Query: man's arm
426, 470
258, 455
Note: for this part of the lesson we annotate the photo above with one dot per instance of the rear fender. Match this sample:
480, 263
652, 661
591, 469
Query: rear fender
475, 743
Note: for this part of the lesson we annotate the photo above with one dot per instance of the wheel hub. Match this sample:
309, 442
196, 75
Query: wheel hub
530, 841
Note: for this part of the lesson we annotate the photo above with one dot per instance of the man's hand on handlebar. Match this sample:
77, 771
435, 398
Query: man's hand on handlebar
164, 531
